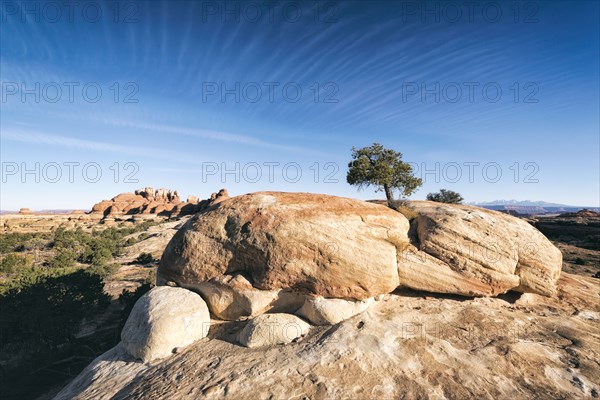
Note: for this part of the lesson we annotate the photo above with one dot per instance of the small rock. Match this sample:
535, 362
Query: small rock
271, 329
321, 311
163, 319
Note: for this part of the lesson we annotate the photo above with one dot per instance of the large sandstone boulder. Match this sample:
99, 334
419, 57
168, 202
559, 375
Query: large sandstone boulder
163, 319
474, 251
317, 244
272, 329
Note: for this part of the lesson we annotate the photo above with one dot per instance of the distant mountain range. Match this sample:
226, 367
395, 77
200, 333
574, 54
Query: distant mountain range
531, 207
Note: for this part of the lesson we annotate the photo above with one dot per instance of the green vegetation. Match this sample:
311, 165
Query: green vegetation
144, 258
384, 169
445, 196
14, 261
17, 242
51, 287
580, 261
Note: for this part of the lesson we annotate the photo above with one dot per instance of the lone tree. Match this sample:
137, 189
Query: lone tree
383, 168
445, 196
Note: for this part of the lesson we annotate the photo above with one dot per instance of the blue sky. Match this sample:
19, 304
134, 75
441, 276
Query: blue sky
498, 101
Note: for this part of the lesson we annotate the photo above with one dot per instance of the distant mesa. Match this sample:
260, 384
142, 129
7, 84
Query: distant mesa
527, 207
25, 211
163, 202
585, 213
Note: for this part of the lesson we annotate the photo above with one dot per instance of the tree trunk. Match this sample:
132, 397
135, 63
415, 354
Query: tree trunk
389, 195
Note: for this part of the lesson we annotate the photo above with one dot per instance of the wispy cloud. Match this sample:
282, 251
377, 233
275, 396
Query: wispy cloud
45, 139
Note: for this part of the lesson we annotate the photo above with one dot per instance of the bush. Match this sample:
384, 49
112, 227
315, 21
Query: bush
99, 252
76, 240
105, 270
51, 307
445, 196
579, 261
144, 258
11, 242
63, 258
151, 278
13, 262
143, 236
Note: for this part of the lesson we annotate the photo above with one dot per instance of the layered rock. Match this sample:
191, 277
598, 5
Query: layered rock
272, 329
163, 319
148, 201
315, 244
405, 347
231, 297
264, 252
477, 252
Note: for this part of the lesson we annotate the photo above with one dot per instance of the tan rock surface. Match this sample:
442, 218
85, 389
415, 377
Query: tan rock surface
163, 319
482, 252
325, 245
232, 297
406, 346
321, 311
272, 329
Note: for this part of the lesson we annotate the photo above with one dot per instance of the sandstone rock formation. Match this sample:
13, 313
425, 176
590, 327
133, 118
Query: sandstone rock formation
409, 345
316, 244
272, 329
163, 319
231, 297
346, 249
324, 258
319, 256
320, 311
476, 252
149, 201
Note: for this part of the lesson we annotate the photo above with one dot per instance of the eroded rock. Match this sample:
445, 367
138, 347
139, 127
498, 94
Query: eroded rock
160, 201
321, 311
272, 329
316, 244
231, 297
162, 319
477, 252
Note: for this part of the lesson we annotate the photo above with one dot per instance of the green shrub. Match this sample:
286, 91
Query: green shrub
445, 196
49, 308
74, 240
63, 258
99, 252
144, 258
151, 278
11, 242
105, 270
13, 262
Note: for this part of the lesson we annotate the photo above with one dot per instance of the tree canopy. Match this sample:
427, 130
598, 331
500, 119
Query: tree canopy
445, 196
383, 168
